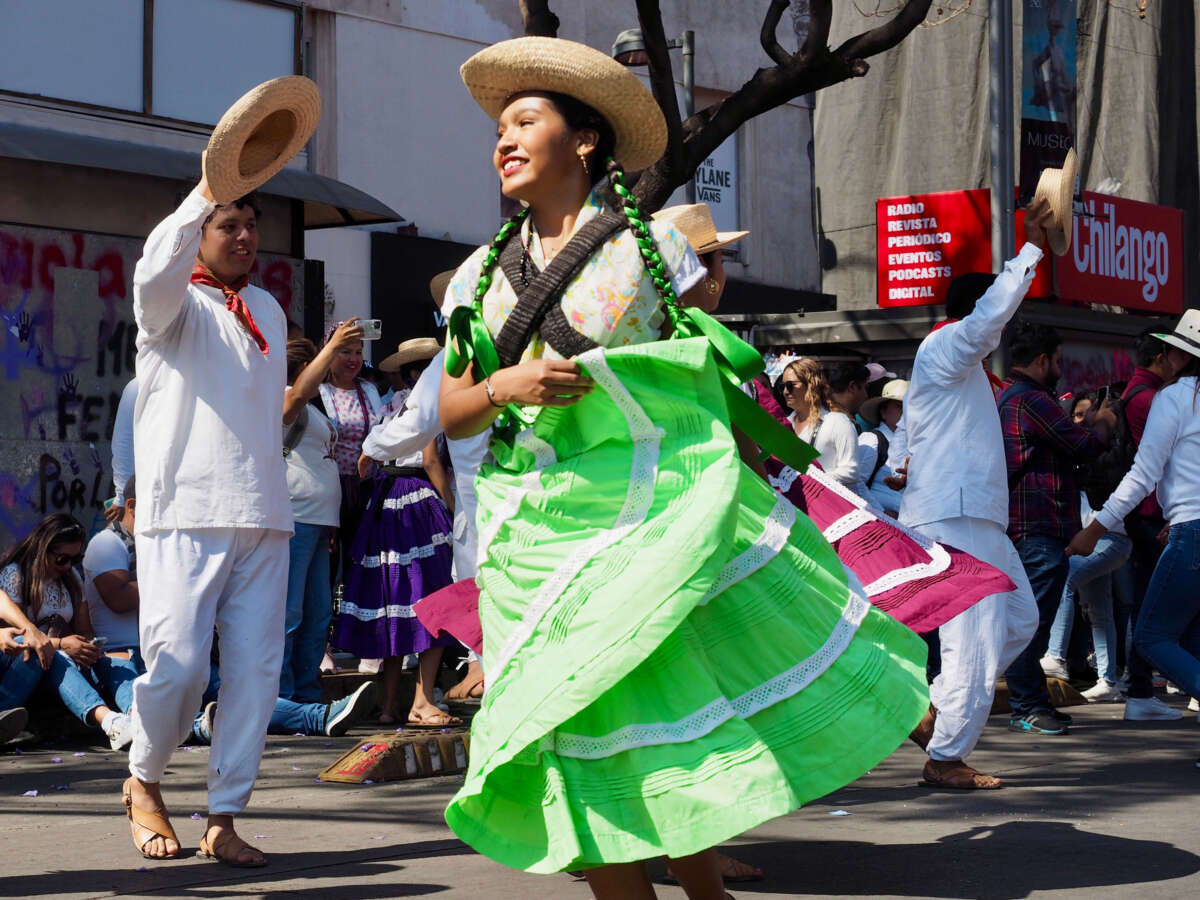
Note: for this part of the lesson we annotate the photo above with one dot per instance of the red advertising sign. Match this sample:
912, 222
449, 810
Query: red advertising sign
926, 240
1124, 253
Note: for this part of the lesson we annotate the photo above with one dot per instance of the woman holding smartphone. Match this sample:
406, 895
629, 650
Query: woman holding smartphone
40, 594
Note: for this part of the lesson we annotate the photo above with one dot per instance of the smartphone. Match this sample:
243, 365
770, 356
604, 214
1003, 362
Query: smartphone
372, 329
100, 641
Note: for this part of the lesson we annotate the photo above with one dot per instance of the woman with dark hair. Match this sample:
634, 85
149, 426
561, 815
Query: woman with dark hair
629, 560
1168, 459
40, 592
315, 492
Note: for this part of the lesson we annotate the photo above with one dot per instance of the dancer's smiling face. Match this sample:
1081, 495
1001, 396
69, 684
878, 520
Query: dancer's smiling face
537, 152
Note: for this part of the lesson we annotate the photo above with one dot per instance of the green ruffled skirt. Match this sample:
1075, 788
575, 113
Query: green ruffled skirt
674, 654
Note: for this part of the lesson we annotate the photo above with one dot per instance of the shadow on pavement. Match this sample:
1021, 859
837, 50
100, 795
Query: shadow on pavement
1006, 862
357, 874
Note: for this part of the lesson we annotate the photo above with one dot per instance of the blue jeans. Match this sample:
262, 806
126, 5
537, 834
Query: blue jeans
1045, 561
22, 677
1168, 628
1090, 582
309, 607
289, 717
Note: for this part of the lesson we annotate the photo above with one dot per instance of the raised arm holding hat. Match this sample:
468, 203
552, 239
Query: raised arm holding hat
214, 515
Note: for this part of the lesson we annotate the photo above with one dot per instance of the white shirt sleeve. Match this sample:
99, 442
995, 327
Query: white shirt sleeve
898, 447
105, 553
954, 349
1158, 441
162, 275
412, 430
122, 440
868, 453
840, 440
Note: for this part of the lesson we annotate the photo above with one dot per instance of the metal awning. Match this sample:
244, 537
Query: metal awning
328, 203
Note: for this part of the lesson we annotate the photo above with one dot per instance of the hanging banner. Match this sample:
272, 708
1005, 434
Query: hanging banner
924, 241
1048, 46
1124, 253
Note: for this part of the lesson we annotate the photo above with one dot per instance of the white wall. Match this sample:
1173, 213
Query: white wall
346, 253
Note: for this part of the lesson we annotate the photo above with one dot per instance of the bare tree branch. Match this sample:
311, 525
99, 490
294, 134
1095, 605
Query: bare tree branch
537, 18
766, 36
820, 18
886, 36
662, 80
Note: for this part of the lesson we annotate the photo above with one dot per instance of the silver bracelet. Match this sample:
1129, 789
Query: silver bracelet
491, 392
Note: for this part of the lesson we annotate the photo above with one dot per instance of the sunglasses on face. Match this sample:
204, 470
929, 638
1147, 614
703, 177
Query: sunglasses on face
61, 559
790, 387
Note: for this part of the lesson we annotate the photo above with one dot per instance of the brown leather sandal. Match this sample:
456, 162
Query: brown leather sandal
467, 689
219, 850
960, 777
147, 824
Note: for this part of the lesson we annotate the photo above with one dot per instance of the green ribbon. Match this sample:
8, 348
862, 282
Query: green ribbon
470, 343
738, 362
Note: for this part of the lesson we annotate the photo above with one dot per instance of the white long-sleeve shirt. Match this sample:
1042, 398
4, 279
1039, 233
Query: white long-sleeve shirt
412, 430
1168, 455
210, 403
836, 440
122, 440
951, 427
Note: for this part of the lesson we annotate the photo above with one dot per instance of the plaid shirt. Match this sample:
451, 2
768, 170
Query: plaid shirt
1041, 447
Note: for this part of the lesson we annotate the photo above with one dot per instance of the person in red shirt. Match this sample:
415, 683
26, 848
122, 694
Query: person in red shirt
1153, 370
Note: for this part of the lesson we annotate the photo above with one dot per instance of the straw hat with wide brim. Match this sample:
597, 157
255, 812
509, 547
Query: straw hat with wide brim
1186, 335
565, 67
410, 351
438, 285
260, 134
1057, 186
893, 390
695, 222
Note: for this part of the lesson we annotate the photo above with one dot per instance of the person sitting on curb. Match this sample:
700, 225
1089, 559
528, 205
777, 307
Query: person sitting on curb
38, 584
111, 589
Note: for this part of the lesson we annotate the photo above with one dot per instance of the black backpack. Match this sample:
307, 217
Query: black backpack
1098, 477
881, 457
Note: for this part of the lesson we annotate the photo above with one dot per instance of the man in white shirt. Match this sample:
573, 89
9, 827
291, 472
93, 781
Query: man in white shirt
122, 448
882, 415
214, 516
950, 447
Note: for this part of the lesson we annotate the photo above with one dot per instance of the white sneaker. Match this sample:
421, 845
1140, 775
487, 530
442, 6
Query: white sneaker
1055, 668
369, 666
1103, 692
120, 731
1146, 709
1194, 706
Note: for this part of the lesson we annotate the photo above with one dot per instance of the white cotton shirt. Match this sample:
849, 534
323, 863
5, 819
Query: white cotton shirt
951, 427
106, 552
122, 440
56, 602
312, 475
837, 443
1168, 455
210, 403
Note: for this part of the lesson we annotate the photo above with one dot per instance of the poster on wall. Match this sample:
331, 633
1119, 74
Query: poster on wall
924, 241
1048, 45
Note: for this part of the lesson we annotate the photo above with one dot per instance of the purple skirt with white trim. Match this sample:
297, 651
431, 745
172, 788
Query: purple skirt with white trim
400, 553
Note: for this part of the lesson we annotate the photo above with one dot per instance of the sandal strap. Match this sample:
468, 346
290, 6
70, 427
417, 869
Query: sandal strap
215, 847
153, 821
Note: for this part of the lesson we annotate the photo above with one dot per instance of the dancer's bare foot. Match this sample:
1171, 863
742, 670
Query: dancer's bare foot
224, 845
152, 832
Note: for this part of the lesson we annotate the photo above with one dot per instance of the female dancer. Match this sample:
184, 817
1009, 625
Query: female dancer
630, 562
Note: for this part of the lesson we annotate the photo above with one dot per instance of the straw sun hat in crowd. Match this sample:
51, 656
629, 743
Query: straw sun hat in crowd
893, 390
1186, 335
523, 64
413, 350
1057, 187
695, 222
260, 134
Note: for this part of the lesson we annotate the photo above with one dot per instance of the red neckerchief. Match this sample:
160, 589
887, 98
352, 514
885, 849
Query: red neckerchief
233, 301
994, 380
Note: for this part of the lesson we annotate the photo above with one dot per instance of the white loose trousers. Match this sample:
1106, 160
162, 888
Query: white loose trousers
979, 643
190, 581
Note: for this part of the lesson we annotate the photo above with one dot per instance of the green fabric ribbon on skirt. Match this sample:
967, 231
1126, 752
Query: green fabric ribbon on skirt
470, 342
